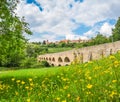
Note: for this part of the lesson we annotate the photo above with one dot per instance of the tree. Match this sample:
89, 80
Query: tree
100, 39
12, 28
116, 31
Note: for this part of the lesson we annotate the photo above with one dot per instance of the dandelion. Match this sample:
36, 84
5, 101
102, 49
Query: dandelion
28, 100
114, 81
113, 93
58, 99
31, 88
31, 84
27, 87
116, 63
22, 82
89, 86
68, 95
64, 101
112, 57
30, 79
89, 78
13, 79
78, 98
18, 81
64, 79
65, 87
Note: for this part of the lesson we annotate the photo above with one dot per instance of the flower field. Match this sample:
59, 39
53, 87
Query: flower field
95, 81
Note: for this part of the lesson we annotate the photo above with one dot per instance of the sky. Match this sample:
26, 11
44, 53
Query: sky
55, 20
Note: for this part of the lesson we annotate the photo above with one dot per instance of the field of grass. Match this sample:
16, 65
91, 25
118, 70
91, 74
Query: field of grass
95, 81
54, 50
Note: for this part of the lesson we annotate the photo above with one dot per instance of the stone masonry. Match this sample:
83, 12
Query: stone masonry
83, 54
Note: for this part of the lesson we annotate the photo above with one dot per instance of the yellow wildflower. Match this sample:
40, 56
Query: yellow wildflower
116, 63
78, 98
27, 87
114, 81
18, 81
64, 79
65, 87
68, 95
113, 93
22, 82
112, 57
89, 78
89, 86
31, 88
13, 79
30, 79
64, 101
31, 84
58, 99
28, 100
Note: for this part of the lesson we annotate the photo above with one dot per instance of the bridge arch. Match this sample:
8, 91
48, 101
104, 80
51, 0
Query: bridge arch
60, 59
46, 58
59, 65
52, 64
49, 59
53, 59
66, 59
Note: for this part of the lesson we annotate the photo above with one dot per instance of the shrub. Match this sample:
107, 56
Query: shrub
44, 64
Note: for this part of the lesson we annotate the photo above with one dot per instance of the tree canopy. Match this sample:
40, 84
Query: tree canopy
12, 30
116, 31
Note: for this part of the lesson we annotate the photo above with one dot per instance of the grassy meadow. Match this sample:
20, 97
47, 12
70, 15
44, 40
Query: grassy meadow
95, 81
54, 50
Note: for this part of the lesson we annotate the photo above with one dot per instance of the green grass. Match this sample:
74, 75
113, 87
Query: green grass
96, 81
54, 50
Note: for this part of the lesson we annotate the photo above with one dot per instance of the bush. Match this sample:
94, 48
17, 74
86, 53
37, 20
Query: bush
32, 62
44, 64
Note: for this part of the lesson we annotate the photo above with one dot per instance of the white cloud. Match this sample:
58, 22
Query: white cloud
56, 16
106, 29
75, 37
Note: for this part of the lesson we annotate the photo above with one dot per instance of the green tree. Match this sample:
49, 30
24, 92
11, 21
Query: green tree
99, 39
116, 31
12, 28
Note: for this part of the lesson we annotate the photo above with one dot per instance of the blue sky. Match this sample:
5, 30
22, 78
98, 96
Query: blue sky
69, 19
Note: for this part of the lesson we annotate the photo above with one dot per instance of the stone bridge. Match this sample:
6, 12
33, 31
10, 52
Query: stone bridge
83, 54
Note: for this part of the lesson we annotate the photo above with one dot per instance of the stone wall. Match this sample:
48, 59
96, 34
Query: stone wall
83, 54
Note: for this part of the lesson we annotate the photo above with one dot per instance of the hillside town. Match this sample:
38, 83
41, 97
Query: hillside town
66, 41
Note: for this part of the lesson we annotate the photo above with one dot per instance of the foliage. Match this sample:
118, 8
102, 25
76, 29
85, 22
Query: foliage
34, 50
12, 41
45, 64
53, 48
31, 62
96, 81
99, 39
116, 31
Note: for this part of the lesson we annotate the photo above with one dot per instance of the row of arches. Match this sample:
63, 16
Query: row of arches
80, 56
66, 59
